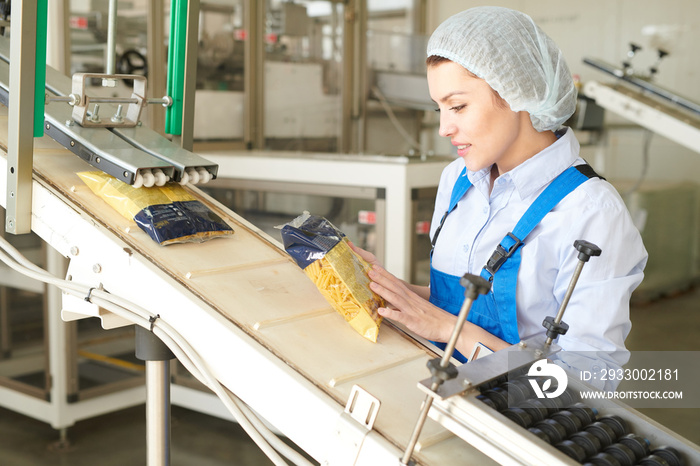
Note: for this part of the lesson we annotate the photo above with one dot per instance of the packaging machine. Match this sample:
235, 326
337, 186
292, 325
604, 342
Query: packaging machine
246, 321
268, 336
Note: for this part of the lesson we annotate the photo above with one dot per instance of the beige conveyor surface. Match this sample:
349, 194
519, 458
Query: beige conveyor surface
251, 313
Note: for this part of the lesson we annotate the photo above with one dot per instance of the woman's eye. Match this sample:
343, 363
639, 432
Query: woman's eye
457, 108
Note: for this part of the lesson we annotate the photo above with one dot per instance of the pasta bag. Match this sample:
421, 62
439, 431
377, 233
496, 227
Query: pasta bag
322, 251
168, 214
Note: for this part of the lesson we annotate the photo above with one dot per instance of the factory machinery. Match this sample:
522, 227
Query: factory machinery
636, 97
247, 322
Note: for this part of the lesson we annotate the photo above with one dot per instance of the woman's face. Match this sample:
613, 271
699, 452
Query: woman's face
485, 131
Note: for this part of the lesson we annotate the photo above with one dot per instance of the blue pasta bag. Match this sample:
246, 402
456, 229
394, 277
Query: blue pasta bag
168, 214
341, 276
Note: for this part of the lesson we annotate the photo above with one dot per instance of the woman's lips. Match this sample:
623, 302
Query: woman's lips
462, 149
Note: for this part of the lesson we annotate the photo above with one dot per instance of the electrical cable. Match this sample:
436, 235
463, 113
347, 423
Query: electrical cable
395, 121
266, 440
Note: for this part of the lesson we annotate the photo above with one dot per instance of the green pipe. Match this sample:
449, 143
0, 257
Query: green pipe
176, 65
40, 67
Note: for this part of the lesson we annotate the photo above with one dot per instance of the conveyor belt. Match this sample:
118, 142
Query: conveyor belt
644, 85
250, 312
260, 324
268, 335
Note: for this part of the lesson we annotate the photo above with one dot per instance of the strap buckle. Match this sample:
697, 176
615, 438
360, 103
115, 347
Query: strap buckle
501, 254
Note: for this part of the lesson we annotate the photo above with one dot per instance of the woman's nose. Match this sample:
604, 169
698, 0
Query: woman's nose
447, 127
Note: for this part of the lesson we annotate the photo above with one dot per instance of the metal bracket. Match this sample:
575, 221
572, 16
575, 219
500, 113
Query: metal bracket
492, 366
479, 351
135, 103
362, 407
352, 428
83, 270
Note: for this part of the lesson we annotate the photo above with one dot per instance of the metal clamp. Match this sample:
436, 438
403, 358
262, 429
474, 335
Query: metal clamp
87, 118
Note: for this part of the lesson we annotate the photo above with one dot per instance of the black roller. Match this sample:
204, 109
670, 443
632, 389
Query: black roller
604, 433
584, 412
572, 450
498, 396
567, 398
588, 442
616, 423
517, 391
653, 460
519, 416
487, 400
553, 405
569, 420
639, 445
670, 454
603, 459
540, 433
622, 453
536, 409
553, 429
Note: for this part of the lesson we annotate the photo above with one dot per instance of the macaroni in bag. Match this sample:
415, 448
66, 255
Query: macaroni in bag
169, 214
322, 251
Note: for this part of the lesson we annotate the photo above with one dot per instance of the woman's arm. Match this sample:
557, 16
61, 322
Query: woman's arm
408, 304
424, 318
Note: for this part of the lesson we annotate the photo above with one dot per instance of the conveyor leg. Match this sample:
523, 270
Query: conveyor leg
157, 356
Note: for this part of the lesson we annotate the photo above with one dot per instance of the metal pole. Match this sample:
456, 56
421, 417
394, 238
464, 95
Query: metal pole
346, 81
254, 75
156, 58
111, 37
20, 144
360, 79
158, 412
190, 78
556, 327
474, 286
569, 291
157, 355
58, 32
444, 362
58, 348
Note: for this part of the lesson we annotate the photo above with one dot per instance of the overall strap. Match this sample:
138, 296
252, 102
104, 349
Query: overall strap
557, 190
460, 188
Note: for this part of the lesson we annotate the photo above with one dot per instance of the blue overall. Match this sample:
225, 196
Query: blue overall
495, 312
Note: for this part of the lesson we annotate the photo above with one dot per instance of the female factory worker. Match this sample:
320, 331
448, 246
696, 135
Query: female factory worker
503, 91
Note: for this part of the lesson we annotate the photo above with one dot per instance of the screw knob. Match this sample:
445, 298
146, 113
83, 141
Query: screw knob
586, 250
474, 285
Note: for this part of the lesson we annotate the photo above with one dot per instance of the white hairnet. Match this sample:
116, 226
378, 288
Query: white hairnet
515, 57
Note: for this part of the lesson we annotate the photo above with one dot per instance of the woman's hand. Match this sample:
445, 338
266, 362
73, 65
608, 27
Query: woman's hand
370, 258
408, 305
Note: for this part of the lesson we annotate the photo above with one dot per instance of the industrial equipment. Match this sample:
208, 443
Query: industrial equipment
647, 104
249, 325
657, 205
242, 296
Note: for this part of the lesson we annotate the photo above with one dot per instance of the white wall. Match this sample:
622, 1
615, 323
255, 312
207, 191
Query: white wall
603, 29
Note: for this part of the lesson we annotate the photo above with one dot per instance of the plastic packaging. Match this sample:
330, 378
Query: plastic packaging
322, 251
169, 214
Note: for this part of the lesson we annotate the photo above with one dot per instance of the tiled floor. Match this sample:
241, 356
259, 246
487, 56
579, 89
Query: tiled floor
119, 438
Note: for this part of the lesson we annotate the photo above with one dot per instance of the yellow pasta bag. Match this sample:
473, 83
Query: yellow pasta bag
322, 251
168, 214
